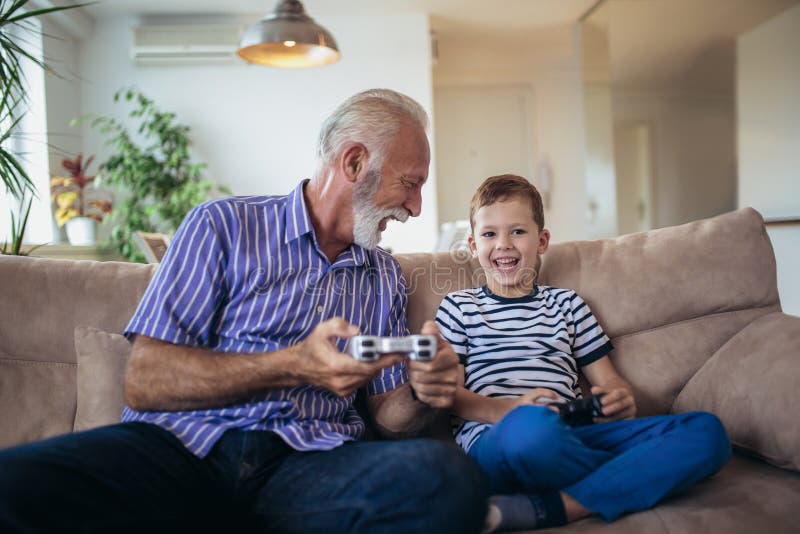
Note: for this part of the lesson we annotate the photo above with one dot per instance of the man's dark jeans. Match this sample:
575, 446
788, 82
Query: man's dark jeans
137, 476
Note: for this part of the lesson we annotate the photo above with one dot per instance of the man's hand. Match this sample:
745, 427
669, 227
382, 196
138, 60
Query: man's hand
435, 381
618, 404
320, 363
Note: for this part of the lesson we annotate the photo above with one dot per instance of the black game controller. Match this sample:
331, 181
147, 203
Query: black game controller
581, 411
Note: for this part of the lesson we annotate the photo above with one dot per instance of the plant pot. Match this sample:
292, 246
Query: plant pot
80, 231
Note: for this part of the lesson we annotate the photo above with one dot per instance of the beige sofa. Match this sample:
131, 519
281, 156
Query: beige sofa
692, 310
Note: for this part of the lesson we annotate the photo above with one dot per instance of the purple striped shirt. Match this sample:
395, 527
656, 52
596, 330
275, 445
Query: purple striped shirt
245, 275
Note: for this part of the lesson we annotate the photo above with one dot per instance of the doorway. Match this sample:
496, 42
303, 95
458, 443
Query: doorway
481, 131
633, 162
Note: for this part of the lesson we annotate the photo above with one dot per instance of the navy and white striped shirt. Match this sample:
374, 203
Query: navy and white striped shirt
245, 275
510, 346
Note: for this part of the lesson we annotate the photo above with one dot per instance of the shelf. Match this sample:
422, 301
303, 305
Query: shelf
72, 252
775, 221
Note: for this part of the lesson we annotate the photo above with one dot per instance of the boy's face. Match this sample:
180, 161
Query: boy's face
507, 242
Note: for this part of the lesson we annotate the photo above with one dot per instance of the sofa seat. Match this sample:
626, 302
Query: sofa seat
746, 497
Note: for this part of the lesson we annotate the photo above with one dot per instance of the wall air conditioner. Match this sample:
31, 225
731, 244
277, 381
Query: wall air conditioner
185, 45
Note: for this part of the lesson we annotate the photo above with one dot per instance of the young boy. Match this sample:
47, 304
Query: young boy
522, 346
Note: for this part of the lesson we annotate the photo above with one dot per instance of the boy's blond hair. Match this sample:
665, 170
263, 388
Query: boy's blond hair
503, 187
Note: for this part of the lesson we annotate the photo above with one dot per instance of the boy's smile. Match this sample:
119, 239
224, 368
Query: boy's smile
507, 242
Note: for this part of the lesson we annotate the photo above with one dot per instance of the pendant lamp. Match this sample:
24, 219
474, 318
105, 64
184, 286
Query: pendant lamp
288, 38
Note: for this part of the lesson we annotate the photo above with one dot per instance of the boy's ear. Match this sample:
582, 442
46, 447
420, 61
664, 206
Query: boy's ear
544, 241
472, 247
354, 161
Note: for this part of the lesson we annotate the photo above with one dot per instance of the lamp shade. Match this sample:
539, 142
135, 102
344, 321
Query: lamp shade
288, 38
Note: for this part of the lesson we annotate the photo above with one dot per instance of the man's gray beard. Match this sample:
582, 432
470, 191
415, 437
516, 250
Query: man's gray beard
366, 230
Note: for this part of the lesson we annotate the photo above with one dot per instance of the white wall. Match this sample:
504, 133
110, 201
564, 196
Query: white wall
62, 86
256, 127
694, 167
62, 51
768, 89
601, 179
768, 86
30, 144
601, 183
547, 61
561, 141
481, 132
633, 166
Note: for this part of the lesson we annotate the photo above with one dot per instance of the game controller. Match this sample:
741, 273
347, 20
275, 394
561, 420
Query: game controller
580, 411
370, 348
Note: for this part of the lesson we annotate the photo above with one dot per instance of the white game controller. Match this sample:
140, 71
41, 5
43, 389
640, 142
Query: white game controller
370, 348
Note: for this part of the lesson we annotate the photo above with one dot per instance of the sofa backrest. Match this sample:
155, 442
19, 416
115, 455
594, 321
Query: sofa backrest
42, 302
668, 298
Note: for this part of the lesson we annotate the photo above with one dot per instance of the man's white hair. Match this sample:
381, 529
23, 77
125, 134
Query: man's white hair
371, 118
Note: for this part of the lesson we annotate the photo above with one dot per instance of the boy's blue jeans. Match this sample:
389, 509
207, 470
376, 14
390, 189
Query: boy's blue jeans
610, 468
139, 477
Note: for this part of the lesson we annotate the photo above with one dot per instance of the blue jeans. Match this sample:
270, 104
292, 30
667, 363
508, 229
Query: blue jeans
610, 468
136, 476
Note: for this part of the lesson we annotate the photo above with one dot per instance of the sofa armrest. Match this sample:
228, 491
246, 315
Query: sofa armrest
750, 383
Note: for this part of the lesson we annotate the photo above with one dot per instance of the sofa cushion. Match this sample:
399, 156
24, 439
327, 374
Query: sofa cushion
647, 280
37, 398
659, 362
751, 385
102, 358
43, 301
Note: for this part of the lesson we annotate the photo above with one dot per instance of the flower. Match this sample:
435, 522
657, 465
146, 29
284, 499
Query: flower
69, 193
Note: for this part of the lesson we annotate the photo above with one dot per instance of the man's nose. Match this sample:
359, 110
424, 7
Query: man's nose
414, 202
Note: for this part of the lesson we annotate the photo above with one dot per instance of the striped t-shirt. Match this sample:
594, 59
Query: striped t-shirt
245, 275
510, 346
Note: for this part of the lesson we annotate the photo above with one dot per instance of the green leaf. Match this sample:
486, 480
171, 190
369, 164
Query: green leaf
13, 87
156, 180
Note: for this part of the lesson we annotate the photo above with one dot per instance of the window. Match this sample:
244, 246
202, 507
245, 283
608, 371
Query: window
30, 144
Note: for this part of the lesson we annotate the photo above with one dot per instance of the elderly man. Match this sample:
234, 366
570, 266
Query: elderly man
240, 401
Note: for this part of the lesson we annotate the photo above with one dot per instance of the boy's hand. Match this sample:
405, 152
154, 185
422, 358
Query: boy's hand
618, 404
538, 397
435, 381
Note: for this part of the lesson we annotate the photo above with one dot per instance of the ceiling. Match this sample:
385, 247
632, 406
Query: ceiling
687, 43
653, 42
447, 15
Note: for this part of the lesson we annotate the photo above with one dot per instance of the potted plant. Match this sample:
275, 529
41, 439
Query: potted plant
72, 205
152, 171
18, 224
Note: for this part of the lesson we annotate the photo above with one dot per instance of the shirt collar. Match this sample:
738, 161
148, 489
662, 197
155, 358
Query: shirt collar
353, 255
510, 300
298, 223
296, 219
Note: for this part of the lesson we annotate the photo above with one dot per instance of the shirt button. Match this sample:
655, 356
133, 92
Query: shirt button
319, 309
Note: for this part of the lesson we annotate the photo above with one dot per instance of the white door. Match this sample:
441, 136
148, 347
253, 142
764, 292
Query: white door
481, 131
633, 162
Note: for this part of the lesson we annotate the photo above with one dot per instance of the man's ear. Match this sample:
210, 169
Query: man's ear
472, 246
544, 241
354, 161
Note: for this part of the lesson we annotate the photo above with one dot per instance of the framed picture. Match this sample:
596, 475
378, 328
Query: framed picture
152, 245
